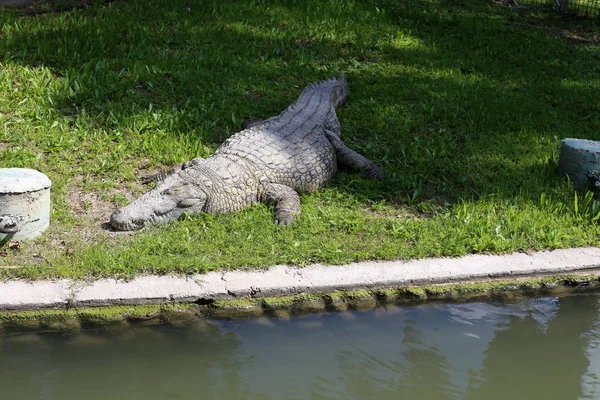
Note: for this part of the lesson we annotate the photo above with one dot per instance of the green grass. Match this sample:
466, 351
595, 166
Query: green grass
462, 102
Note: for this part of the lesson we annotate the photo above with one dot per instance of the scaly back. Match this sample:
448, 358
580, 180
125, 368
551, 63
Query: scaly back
313, 106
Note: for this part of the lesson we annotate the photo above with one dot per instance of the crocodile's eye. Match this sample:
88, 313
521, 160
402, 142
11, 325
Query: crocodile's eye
177, 189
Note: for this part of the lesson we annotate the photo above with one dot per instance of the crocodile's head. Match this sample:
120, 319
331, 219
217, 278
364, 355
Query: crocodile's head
169, 200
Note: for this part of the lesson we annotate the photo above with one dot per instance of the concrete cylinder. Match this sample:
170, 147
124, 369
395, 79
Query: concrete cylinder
24, 203
579, 157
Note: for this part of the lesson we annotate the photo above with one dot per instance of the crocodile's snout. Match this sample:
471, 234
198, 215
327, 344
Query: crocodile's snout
134, 218
120, 221
166, 202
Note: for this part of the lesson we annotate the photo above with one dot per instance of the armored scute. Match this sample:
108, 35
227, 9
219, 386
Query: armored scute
297, 151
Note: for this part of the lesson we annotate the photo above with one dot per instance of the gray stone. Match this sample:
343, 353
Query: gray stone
24, 203
579, 157
144, 289
285, 281
21, 295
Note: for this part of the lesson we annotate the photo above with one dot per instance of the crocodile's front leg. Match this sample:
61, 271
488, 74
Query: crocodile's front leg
352, 159
287, 203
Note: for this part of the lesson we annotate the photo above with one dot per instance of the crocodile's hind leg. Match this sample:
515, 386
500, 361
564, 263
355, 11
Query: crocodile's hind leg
333, 124
287, 203
352, 159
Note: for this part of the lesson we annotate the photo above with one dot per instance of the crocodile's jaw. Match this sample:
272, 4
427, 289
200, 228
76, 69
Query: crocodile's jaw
166, 202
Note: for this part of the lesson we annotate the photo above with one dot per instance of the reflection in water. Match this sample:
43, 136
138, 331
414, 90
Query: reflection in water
546, 359
536, 349
140, 364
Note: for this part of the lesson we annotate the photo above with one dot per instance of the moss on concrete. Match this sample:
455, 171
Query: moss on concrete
73, 319
179, 314
236, 311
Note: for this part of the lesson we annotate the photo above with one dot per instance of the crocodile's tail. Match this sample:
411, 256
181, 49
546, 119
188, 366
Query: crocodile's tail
340, 93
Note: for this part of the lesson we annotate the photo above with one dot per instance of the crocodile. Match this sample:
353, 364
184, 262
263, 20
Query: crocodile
273, 161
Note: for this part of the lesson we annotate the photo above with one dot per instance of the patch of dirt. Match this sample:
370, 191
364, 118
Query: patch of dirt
5, 146
94, 212
574, 30
89, 205
574, 34
35, 7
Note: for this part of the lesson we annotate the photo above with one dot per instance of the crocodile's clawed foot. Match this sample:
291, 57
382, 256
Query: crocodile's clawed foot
283, 218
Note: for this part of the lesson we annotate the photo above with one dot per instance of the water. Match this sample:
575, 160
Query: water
545, 348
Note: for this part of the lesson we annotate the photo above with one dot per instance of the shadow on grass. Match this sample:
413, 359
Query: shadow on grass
450, 98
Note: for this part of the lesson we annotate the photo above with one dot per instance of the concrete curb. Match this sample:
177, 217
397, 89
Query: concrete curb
286, 281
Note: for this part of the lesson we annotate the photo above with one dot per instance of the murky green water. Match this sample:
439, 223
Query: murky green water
537, 349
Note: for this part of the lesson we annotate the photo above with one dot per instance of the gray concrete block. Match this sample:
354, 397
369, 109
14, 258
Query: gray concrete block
21, 295
579, 157
24, 203
284, 280
144, 289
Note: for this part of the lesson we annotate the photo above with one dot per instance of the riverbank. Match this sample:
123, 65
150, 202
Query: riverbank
285, 291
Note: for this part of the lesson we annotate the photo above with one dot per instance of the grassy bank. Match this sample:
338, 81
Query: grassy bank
462, 102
